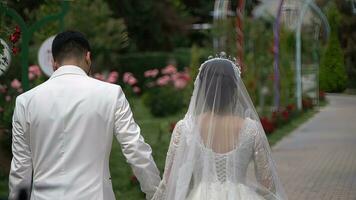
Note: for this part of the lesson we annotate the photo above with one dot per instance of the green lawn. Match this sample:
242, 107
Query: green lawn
156, 133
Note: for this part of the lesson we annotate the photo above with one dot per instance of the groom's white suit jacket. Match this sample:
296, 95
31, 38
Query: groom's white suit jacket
62, 135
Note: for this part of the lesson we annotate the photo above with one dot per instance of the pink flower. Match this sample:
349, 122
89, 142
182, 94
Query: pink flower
129, 78
136, 89
185, 75
35, 70
180, 83
132, 81
16, 84
151, 73
99, 76
31, 76
8, 98
113, 76
170, 69
164, 80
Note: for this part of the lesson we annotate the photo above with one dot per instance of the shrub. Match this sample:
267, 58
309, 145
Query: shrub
165, 93
333, 76
163, 101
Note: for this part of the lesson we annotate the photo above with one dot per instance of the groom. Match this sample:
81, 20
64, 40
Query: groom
63, 131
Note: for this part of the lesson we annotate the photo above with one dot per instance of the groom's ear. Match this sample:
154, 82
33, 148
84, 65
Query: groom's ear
55, 65
88, 58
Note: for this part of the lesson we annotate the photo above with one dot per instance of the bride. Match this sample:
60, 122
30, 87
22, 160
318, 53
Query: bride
219, 151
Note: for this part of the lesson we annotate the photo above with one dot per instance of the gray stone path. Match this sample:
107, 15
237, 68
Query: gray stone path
318, 160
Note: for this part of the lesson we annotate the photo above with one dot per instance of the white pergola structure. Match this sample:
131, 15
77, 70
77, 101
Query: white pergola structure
294, 18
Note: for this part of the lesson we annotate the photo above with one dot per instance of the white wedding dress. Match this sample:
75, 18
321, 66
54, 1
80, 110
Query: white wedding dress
219, 151
224, 187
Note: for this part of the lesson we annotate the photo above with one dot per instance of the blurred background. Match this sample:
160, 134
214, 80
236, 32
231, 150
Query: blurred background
291, 52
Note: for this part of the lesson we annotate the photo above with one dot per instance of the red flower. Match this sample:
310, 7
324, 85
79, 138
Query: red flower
267, 125
17, 30
285, 115
290, 107
322, 95
275, 116
307, 103
172, 126
15, 50
14, 37
133, 179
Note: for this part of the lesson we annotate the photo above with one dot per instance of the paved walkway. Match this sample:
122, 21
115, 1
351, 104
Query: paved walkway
318, 160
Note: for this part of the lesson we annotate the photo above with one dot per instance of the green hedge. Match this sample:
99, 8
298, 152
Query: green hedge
138, 63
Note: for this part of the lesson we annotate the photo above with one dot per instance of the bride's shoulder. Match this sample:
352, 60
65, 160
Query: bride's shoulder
252, 126
180, 125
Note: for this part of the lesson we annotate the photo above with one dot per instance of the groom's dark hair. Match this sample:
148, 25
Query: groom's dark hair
69, 44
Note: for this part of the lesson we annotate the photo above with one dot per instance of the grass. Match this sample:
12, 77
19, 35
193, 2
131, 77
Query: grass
156, 133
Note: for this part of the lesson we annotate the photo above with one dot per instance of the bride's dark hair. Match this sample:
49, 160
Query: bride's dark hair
218, 86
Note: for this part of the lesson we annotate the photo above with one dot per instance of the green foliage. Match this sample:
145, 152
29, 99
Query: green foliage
152, 25
106, 34
164, 101
333, 76
258, 61
286, 67
347, 28
194, 61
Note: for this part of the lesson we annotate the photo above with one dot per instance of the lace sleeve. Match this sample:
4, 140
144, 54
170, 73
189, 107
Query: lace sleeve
175, 139
264, 167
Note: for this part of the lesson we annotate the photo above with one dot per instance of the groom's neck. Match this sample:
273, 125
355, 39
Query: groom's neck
75, 63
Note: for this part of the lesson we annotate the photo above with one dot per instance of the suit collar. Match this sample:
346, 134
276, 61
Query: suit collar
68, 69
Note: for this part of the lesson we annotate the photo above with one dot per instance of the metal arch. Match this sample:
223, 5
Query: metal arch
323, 18
305, 6
276, 30
239, 32
220, 12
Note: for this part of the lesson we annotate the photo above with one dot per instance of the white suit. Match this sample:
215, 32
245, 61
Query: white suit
62, 136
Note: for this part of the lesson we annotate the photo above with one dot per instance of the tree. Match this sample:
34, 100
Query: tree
347, 36
106, 34
333, 76
152, 25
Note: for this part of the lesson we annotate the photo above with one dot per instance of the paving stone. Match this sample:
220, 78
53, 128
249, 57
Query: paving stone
318, 160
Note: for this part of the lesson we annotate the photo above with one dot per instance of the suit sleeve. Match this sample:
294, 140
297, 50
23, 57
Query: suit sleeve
137, 152
20, 177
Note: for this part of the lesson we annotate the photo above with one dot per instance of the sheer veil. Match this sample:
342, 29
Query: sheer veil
219, 150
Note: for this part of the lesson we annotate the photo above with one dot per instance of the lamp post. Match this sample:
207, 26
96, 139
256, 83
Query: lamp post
27, 33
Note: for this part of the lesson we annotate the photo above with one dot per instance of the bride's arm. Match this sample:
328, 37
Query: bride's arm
173, 145
264, 165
